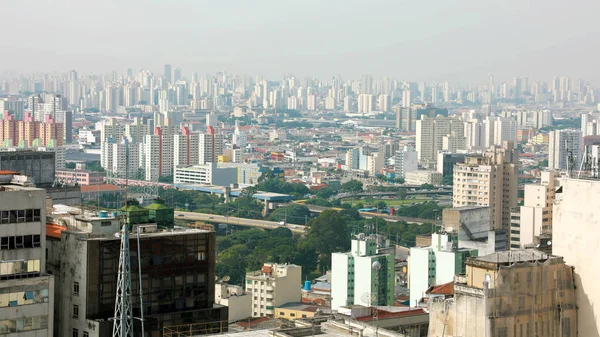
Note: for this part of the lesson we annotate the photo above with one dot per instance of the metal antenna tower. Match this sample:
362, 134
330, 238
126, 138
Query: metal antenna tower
123, 320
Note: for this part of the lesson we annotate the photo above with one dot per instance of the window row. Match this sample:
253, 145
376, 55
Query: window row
23, 324
20, 215
19, 267
20, 241
23, 298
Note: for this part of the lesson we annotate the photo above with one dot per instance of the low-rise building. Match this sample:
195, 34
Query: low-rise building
423, 177
81, 177
272, 286
235, 298
294, 310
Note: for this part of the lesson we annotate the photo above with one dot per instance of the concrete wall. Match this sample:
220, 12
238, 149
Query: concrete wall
339, 280
476, 219
418, 267
575, 237
463, 316
38, 165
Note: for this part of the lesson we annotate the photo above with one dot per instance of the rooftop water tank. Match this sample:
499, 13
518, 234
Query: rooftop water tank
307, 285
103, 214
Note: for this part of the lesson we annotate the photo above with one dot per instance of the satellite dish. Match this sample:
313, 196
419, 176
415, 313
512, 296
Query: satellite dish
449, 229
226, 278
368, 298
376, 265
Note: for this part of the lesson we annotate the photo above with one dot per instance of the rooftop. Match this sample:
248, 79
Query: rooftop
514, 256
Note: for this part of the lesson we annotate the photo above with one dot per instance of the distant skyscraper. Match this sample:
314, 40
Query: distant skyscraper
176, 74
167, 73
406, 98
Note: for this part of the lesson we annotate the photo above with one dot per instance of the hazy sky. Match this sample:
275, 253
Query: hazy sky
458, 40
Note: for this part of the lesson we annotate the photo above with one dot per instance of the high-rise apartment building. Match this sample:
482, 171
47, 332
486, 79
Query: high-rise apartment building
364, 275
430, 136
158, 153
26, 290
489, 180
535, 216
273, 285
186, 148
564, 149
436, 264
405, 161
210, 146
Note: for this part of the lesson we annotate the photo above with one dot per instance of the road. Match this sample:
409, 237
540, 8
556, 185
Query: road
390, 193
219, 219
392, 218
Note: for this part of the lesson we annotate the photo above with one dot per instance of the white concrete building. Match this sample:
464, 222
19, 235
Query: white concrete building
562, 145
435, 265
405, 161
236, 299
272, 286
26, 291
186, 148
207, 174
430, 137
423, 177
364, 275
210, 147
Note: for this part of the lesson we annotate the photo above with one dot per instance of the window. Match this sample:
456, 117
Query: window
75, 311
75, 333
566, 326
292, 315
76, 288
281, 313
86, 334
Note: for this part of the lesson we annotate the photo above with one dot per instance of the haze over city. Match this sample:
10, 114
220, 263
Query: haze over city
460, 41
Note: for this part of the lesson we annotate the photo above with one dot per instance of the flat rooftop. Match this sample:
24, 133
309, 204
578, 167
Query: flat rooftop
516, 255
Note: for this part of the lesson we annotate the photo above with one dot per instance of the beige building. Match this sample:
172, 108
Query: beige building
489, 180
26, 290
423, 177
430, 137
293, 311
272, 286
516, 293
535, 216
235, 298
575, 237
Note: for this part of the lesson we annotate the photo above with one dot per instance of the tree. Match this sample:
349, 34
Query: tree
318, 202
427, 187
399, 180
381, 205
447, 180
293, 213
166, 179
353, 186
402, 193
232, 262
327, 234
325, 193
94, 166
70, 165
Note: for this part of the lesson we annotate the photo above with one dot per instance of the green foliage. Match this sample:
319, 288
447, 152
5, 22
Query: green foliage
328, 234
70, 165
448, 180
428, 210
352, 186
381, 205
427, 187
94, 166
326, 193
166, 179
293, 213
269, 182
318, 202
195, 200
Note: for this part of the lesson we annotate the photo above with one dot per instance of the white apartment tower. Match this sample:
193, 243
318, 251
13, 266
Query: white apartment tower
430, 136
564, 149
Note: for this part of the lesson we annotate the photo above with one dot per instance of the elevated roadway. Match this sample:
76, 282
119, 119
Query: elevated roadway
387, 217
221, 219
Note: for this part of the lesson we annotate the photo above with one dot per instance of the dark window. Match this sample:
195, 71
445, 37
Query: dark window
76, 288
75, 333
75, 311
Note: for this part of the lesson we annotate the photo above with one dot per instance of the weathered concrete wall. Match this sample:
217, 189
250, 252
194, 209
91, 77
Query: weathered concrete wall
575, 237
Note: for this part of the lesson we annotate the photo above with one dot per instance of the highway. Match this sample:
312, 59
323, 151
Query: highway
392, 218
390, 193
221, 219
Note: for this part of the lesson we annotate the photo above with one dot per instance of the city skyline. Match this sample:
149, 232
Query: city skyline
460, 41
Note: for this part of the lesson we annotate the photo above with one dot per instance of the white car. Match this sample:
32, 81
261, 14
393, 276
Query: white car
281, 223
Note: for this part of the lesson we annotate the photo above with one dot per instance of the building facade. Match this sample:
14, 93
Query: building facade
564, 147
489, 180
363, 276
272, 286
26, 290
